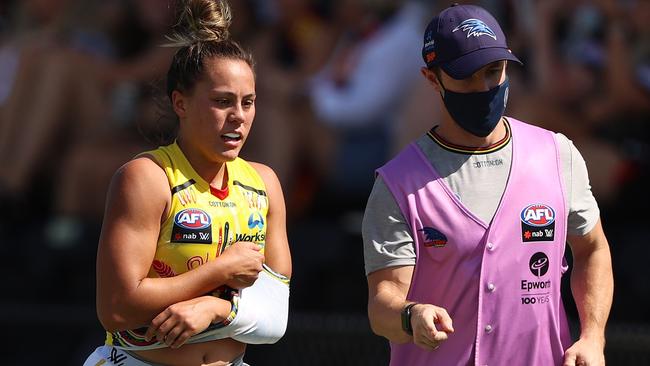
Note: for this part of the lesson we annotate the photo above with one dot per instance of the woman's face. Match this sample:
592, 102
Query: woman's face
216, 116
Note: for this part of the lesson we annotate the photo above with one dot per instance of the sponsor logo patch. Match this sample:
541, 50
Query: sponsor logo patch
258, 237
192, 225
538, 291
433, 238
256, 220
538, 264
537, 223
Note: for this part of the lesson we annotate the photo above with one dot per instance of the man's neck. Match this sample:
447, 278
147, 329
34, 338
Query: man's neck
451, 132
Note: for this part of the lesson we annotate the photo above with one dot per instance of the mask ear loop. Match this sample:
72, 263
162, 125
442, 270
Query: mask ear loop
444, 90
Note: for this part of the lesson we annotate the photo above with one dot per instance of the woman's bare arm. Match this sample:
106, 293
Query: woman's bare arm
138, 199
277, 253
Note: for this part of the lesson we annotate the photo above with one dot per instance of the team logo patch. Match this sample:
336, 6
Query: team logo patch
433, 237
476, 28
192, 225
537, 223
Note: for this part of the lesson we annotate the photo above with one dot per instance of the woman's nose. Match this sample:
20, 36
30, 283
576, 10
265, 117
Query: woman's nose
237, 114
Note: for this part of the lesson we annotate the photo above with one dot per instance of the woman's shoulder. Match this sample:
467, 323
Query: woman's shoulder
142, 173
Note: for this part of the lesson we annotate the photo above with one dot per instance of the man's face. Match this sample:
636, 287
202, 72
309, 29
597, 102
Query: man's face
486, 78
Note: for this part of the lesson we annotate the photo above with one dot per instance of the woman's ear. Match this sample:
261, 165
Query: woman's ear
179, 104
432, 78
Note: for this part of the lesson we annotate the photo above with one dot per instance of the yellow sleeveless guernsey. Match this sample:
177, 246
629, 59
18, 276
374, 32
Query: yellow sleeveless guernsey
200, 226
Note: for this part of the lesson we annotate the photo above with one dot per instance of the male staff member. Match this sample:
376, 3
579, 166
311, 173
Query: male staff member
465, 230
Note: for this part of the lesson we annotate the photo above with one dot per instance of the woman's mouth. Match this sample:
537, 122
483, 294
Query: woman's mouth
232, 138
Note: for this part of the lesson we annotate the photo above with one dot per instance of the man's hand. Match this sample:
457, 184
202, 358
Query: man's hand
585, 352
431, 325
244, 261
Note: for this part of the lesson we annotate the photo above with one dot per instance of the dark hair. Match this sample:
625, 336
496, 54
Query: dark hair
200, 33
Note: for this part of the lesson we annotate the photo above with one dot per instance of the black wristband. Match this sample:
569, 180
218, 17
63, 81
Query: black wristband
406, 318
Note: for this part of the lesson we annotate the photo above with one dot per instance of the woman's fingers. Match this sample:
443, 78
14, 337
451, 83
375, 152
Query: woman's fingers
181, 339
156, 323
172, 335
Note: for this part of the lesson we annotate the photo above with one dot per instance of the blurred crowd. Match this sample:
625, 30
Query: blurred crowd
339, 93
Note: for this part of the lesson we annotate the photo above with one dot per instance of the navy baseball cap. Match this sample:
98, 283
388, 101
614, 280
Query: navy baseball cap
462, 39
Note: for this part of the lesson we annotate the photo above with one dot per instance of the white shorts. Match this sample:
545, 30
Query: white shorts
111, 356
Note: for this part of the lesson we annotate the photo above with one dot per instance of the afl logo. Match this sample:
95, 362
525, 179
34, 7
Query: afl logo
193, 219
538, 215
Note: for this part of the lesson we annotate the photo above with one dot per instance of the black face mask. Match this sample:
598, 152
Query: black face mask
477, 113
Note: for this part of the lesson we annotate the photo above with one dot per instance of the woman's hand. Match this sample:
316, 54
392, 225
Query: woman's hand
244, 261
176, 324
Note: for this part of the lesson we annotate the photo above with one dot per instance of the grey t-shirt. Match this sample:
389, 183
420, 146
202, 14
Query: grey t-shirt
387, 238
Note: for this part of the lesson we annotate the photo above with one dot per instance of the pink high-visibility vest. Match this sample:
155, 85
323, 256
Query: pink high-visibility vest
499, 281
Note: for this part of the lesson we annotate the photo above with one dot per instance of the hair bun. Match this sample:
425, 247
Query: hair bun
200, 21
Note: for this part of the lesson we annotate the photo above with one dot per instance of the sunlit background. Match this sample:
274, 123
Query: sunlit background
339, 93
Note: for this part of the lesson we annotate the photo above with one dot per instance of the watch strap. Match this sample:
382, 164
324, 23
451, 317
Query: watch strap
406, 318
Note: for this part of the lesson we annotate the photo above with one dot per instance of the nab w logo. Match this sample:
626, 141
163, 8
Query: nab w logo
538, 215
193, 219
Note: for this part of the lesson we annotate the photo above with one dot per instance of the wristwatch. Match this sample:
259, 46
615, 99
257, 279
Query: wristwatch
406, 318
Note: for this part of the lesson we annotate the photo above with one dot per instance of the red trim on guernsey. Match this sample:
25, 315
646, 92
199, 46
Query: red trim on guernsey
219, 193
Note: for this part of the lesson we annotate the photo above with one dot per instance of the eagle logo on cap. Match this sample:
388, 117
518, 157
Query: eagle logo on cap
476, 28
